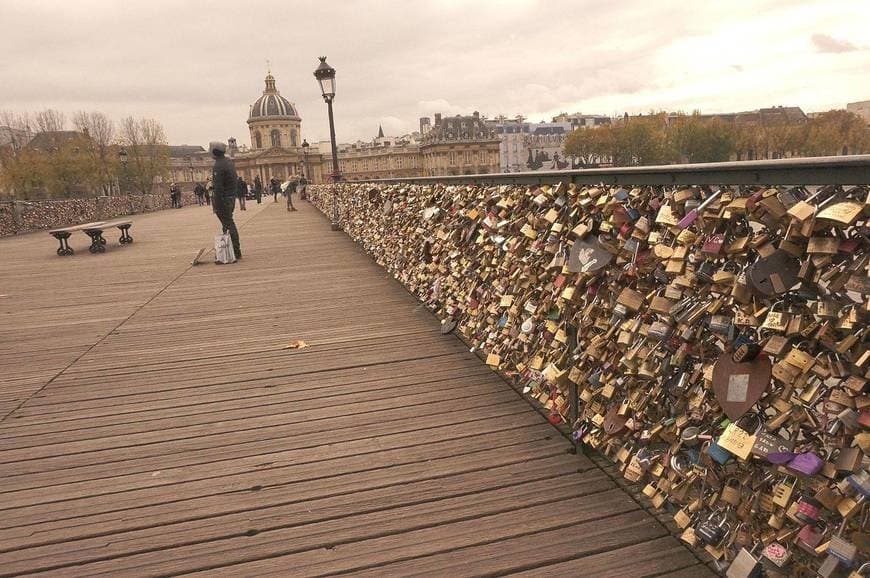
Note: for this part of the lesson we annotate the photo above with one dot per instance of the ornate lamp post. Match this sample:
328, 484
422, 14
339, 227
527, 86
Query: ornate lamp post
325, 75
122, 156
305, 172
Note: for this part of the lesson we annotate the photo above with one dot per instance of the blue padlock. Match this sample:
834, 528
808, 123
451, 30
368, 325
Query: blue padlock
719, 454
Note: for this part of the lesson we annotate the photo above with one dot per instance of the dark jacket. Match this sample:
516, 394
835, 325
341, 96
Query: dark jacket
224, 183
241, 188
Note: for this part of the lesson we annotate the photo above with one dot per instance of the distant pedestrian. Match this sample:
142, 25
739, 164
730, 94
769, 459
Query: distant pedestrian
289, 190
242, 192
303, 188
199, 191
224, 184
258, 189
275, 186
175, 196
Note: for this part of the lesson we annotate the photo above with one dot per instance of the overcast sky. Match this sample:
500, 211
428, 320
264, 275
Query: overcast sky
197, 66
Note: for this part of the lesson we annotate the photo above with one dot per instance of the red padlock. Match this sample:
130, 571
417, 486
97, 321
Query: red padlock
811, 536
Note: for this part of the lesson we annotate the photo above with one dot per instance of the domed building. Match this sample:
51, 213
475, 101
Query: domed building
273, 121
276, 141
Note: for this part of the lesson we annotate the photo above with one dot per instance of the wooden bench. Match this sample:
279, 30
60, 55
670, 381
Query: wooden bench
95, 232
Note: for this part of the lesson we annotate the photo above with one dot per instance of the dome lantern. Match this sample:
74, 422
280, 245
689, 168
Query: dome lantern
271, 104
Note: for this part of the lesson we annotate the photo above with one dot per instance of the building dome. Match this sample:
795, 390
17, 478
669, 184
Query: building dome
272, 104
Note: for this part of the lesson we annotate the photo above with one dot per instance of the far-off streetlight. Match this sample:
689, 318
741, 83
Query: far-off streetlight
325, 75
305, 172
122, 156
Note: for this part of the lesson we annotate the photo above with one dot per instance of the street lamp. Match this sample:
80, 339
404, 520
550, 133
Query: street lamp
305, 170
325, 75
122, 156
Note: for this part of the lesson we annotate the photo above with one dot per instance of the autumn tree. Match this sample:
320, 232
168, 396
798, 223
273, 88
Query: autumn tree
584, 145
147, 150
100, 131
698, 140
836, 132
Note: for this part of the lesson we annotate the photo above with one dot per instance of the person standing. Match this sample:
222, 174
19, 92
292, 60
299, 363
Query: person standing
258, 189
303, 188
199, 191
242, 192
224, 184
276, 188
291, 188
174, 196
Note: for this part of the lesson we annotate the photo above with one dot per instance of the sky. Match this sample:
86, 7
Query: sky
197, 66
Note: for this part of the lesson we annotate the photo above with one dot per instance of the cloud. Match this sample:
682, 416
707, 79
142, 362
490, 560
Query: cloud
825, 43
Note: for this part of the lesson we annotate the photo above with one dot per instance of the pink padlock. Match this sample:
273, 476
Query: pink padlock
808, 510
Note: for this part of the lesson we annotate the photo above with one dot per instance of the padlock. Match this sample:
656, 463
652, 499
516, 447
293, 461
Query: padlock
713, 530
782, 492
843, 550
744, 565
810, 536
807, 510
731, 492
777, 555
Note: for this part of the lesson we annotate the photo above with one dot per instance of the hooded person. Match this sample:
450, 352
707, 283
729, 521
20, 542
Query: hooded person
224, 192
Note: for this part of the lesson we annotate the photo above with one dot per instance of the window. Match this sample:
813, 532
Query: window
452, 158
276, 138
293, 137
468, 157
258, 140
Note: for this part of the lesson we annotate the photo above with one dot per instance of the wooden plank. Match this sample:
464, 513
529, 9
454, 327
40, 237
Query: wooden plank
652, 558
51, 524
182, 547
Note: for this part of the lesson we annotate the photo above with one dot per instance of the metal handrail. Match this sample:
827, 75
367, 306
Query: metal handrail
838, 170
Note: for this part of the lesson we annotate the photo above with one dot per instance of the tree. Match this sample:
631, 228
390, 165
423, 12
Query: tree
50, 120
583, 144
643, 141
147, 151
101, 131
836, 132
701, 140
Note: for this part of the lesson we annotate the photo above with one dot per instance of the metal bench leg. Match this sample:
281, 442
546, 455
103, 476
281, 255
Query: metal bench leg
64, 248
98, 243
125, 234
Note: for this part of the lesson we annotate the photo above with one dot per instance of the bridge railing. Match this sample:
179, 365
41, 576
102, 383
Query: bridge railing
842, 170
704, 326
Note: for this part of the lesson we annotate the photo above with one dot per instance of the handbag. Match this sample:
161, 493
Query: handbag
223, 249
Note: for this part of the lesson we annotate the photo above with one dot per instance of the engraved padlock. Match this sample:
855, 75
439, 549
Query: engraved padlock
713, 530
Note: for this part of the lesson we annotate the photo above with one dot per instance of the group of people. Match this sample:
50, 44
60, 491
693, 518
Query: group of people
227, 186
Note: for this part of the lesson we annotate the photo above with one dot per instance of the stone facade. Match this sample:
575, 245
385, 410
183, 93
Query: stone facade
459, 145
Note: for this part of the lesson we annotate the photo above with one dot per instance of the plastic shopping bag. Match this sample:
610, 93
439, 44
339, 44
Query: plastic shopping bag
223, 249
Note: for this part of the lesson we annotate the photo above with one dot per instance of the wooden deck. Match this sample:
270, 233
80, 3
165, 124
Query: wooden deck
153, 422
